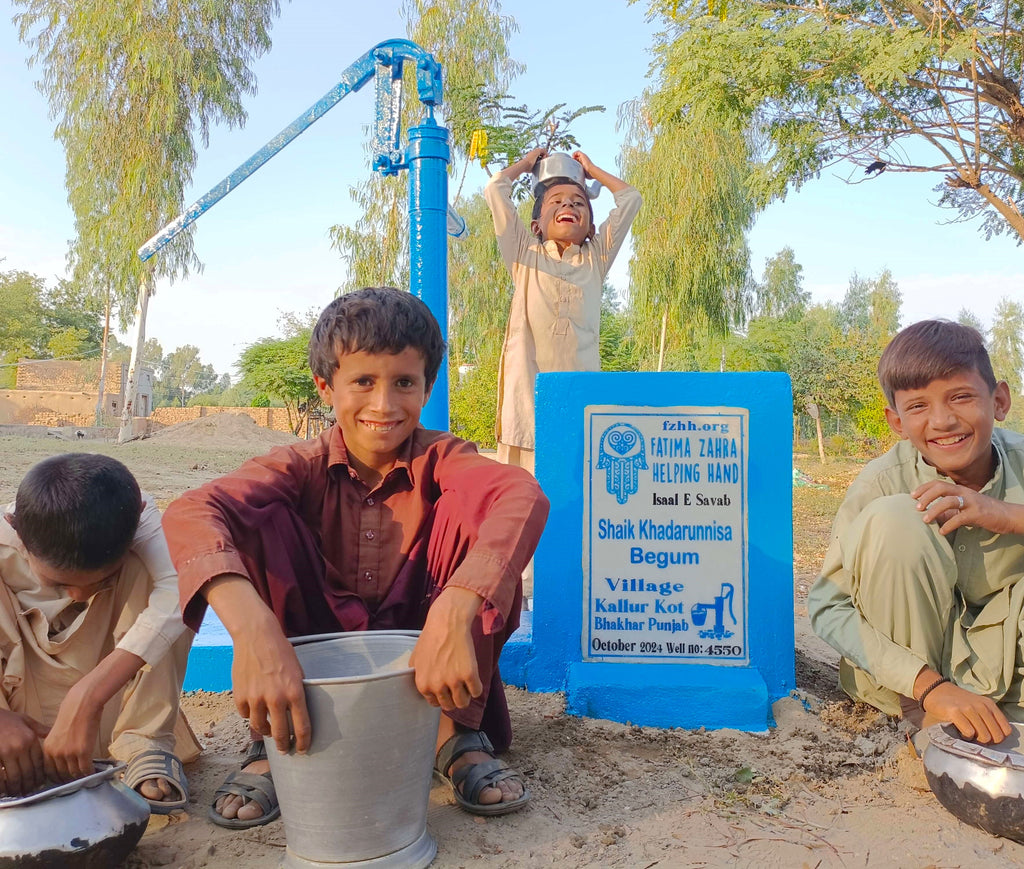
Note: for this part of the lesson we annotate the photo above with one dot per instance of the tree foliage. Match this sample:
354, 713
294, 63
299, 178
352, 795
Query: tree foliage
130, 84
278, 368
780, 292
900, 86
1007, 343
690, 257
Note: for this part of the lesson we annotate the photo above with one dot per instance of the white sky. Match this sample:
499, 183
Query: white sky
265, 246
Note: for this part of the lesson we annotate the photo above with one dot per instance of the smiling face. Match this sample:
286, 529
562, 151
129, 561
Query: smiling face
950, 421
564, 216
377, 399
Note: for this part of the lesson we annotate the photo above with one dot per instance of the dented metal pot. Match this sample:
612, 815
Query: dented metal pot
91, 823
983, 785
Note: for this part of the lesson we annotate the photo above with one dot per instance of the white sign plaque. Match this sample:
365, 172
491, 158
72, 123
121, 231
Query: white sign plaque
665, 534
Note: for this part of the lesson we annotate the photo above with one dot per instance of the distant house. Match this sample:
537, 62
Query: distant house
56, 392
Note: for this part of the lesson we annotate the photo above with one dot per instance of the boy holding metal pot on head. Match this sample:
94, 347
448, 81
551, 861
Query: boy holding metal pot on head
558, 267
921, 590
377, 524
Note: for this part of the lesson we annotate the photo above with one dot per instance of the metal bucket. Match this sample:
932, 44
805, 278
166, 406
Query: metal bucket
359, 796
91, 823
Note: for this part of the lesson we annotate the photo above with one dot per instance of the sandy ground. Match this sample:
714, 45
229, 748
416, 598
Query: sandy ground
832, 785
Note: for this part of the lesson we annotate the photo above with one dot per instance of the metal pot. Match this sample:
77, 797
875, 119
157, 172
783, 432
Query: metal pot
359, 796
559, 165
982, 785
91, 823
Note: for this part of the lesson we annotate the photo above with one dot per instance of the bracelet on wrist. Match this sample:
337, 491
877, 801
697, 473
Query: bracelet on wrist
929, 689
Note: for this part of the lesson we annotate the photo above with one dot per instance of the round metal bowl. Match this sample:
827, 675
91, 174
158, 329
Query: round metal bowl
983, 785
91, 823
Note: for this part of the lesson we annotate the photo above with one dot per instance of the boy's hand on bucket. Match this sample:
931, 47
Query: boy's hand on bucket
444, 657
266, 678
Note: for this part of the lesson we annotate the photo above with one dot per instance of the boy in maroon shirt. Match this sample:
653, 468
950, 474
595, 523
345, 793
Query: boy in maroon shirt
376, 524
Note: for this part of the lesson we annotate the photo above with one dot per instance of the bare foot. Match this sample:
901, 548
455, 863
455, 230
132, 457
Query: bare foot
158, 790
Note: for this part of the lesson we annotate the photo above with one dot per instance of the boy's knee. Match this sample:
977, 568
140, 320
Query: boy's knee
890, 531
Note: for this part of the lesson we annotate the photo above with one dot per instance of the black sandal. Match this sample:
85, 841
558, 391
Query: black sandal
257, 787
469, 780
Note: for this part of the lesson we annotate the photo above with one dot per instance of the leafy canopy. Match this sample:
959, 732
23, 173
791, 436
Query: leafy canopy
890, 86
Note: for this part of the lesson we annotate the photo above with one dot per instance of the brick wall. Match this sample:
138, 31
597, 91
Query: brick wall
275, 418
68, 375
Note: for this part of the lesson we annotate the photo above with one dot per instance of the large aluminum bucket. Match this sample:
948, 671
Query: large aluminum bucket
359, 795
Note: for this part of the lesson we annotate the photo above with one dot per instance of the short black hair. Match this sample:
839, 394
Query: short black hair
931, 350
541, 190
78, 511
375, 320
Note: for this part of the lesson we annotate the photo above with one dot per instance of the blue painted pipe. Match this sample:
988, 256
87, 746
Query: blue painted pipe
427, 157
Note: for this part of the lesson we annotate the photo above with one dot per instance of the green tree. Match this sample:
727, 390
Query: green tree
968, 318
898, 86
780, 292
22, 326
278, 368
1007, 349
688, 274
129, 85
182, 375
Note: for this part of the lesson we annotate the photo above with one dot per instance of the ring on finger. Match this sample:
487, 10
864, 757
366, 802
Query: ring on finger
959, 502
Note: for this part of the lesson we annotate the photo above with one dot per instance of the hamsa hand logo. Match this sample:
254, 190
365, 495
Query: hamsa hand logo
621, 454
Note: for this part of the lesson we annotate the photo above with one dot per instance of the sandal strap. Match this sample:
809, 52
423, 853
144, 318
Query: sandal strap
156, 763
256, 750
474, 777
458, 745
250, 786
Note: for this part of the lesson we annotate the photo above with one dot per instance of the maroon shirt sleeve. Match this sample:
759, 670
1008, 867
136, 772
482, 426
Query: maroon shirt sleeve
196, 524
510, 509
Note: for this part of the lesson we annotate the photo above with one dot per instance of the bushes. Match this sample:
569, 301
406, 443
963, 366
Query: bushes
473, 399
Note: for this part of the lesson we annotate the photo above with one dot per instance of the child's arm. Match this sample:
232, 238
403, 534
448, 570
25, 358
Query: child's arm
159, 625
21, 755
266, 677
444, 657
976, 717
69, 747
523, 165
598, 174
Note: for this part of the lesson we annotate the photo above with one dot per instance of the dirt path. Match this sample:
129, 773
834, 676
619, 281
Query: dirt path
832, 785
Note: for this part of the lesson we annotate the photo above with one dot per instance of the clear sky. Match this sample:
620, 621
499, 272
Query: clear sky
265, 246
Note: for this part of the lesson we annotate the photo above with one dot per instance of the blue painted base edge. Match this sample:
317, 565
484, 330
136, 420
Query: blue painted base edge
209, 669
688, 696
517, 653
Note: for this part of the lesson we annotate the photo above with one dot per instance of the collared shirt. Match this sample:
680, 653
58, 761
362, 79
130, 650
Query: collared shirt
986, 563
152, 633
555, 316
366, 534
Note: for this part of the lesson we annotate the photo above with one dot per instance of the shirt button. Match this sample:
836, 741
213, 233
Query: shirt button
369, 535
369, 502
367, 576
962, 548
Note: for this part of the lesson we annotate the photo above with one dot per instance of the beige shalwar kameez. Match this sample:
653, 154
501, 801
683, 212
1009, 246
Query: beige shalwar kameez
895, 594
48, 642
555, 315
